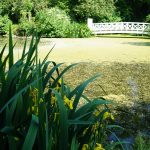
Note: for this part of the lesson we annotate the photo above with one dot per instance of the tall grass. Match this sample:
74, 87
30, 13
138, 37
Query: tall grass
39, 111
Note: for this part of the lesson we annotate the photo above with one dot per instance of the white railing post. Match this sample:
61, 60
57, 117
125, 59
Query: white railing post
90, 23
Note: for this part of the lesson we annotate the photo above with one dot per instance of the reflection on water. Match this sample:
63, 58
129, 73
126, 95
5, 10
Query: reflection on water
138, 43
19, 42
45, 43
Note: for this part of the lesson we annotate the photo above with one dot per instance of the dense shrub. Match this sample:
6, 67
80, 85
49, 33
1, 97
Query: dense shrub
100, 10
56, 23
4, 25
148, 21
76, 30
148, 18
25, 27
52, 22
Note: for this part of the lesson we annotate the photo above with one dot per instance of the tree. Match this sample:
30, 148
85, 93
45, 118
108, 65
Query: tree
4, 24
16, 9
52, 22
133, 10
39, 5
100, 10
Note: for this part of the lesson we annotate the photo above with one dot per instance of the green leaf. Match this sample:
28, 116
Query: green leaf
91, 106
11, 131
78, 92
44, 61
118, 141
10, 112
79, 122
11, 59
63, 124
50, 141
10, 83
114, 126
15, 97
2, 52
74, 144
80, 117
61, 74
48, 76
31, 135
12, 143
2, 73
24, 48
47, 133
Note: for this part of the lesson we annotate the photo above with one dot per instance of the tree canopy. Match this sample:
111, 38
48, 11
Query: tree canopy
23, 12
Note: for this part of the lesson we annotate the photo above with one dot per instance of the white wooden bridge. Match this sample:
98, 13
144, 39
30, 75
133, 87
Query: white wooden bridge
119, 27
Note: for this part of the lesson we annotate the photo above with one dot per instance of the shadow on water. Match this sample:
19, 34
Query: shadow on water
20, 41
136, 121
138, 43
135, 118
123, 36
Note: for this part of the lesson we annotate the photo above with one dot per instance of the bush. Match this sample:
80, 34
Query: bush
39, 111
148, 18
76, 30
4, 25
56, 23
52, 22
148, 21
25, 27
99, 10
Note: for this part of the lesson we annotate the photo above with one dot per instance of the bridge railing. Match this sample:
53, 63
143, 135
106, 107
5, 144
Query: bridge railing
119, 27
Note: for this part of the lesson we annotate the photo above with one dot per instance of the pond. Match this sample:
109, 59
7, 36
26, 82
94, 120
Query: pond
19, 41
95, 49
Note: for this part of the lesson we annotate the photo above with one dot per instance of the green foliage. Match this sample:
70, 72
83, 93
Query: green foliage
4, 25
131, 10
39, 111
148, 18
148, 21
100, 10
49, 14
56, 23
62, 4
52, 22
15, 9
25, 27
142, 142
78, 10
39, 5
76, 30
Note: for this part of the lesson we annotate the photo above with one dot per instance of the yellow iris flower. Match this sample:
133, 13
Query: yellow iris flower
96, 113
85, 147
53, 100
33, 93
99, 147
108, 115
68, 102
58, 86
